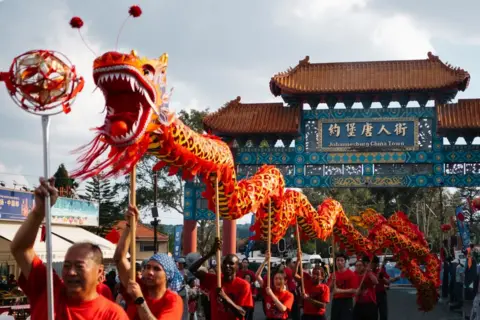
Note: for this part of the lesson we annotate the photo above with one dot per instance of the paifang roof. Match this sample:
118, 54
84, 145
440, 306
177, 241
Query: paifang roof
254, 118
370, 76
465, 114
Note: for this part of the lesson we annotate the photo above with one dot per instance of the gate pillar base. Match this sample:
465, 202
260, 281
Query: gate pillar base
229, 236
189, 236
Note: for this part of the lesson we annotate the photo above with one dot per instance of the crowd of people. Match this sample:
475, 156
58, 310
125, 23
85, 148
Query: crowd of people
165, 289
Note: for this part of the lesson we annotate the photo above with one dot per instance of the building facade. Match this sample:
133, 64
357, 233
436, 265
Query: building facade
145, 240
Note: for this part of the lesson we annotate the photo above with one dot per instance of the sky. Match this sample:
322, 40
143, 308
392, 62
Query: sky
218, 50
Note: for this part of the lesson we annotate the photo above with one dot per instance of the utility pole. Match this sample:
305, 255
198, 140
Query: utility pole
154, 223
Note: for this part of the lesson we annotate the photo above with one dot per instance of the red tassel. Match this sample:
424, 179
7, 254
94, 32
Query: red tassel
44, 234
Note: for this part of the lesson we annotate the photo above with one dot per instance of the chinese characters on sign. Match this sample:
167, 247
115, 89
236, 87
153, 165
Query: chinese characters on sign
334, 129
368, 133
15, 205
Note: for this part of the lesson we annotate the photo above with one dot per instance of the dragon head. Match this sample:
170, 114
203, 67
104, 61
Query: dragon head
134, 90
136, 104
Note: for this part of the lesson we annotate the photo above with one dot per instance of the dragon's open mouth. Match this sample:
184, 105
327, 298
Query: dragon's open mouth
129, 101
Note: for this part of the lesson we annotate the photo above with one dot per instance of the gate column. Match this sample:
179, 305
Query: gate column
189, 236
229, 236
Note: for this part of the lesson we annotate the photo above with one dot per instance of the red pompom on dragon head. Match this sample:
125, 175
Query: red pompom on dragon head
136, 104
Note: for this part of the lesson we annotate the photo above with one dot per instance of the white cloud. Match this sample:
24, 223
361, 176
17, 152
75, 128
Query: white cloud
318, 9
400, 38
13, 176
353, 30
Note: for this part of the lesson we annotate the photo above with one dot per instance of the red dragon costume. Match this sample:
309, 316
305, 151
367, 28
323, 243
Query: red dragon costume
138, 122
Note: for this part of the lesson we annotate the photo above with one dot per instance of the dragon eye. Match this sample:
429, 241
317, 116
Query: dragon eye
148, 71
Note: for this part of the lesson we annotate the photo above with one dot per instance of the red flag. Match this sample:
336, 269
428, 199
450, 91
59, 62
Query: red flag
44, 234
113, 236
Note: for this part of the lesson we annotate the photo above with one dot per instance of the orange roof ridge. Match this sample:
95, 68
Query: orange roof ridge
235, 117
365, 76
463, 114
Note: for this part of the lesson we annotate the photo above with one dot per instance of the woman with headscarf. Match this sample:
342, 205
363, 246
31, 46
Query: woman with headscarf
154, 296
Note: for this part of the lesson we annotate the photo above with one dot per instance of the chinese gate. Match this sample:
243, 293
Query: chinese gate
328, 134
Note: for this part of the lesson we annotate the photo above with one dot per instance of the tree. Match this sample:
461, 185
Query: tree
65, 185
102, 192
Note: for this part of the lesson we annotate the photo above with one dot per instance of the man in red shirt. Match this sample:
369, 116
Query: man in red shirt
384, 281
365, 297
75, 296
154, 295
343, 284
231, 300
244, 270
317, 294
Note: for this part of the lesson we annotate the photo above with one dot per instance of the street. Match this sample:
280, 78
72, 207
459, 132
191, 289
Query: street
401, 306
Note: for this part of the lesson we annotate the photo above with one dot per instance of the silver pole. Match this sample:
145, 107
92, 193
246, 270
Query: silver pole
48, 216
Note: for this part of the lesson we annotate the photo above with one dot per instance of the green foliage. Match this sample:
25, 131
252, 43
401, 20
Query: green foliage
63, 181
193, 119
308, 247
104, 193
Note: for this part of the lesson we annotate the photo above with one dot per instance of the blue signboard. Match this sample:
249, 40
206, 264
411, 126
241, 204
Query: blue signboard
371, 134
15, 205
463, 229
177, 246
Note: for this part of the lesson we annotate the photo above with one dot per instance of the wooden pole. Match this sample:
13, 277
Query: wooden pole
217, 231
269, 241
299, 248
133, 224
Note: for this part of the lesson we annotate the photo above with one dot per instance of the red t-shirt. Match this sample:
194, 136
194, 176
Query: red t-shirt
242, 273
290, 281
344, 280
271, 311
383, 278
238, 290
319, 292
105, 291
35, 288
168, 307
367, 293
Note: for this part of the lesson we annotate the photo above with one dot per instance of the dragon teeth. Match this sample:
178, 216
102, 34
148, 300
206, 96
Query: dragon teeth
132, 82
